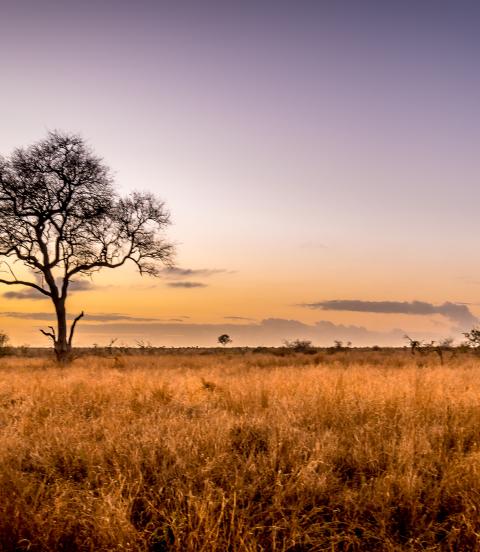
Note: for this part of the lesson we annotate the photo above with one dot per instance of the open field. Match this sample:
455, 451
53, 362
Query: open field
355, 450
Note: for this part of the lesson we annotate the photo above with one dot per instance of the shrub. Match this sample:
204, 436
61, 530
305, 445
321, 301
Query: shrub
300, 346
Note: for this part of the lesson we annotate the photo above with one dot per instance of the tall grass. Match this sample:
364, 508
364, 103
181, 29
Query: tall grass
352, 451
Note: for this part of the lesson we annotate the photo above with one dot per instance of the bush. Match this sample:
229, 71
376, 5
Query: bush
300, 346
4, 341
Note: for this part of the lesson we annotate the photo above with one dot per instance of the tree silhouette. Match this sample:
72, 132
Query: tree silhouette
415, 344
473, 338
61, 217
224, 339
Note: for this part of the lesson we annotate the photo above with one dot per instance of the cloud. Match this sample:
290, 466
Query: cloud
187, 285
246, 319
80, 285
458, 313
34, 295
178, 275
111, 317
268, 332
28, 315
99, 317
27, 293
176, 272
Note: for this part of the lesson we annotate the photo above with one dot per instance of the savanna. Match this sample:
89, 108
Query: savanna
240, 450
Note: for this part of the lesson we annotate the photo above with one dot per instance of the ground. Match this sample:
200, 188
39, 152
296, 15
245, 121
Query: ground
240, 451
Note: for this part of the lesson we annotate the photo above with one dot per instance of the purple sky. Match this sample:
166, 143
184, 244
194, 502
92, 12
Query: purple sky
316, 150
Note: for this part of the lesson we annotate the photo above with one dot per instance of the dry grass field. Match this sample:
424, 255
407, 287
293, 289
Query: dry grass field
356, 450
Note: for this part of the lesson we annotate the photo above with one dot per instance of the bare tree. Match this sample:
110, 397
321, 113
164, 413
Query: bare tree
61, 217
438, 347
415, 344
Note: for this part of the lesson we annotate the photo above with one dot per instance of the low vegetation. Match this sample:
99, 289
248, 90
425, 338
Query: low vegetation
356, 450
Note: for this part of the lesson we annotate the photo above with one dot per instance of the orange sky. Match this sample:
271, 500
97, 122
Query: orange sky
246, 296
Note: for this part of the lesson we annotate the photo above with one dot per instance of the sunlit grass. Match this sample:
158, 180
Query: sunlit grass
350, 451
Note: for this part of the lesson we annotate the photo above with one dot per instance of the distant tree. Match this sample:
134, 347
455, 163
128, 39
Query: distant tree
415, 344
300, 345
111, 344
61, 217
443, 346
224, 339
438, 347
145, 346
473, 338
4, 341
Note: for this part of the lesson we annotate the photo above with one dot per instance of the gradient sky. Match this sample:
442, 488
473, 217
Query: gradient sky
308, 151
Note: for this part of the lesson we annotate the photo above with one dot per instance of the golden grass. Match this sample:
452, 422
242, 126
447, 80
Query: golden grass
351, 451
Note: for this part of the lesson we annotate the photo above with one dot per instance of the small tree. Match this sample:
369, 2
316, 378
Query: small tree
224, 339
438, 347
414, 344
473, 338
61, 217
299, 345
4, 341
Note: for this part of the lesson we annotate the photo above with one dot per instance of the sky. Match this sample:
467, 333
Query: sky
320, 161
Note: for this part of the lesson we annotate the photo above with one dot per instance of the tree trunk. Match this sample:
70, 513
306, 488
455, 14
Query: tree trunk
62, 346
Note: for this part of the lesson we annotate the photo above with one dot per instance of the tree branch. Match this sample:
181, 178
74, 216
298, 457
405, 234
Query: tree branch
97, 264
51, 334
72, 329
28, 284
